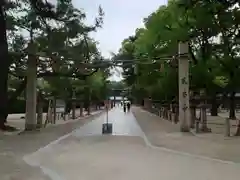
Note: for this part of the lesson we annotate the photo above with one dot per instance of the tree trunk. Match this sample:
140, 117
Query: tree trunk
14, 96
89, 108
74, 109
4, 68
89, 101
232, 106
81, 109
54, 111
214, 108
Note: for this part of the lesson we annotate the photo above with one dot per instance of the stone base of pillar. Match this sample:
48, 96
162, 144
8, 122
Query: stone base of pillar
184, 129
176, 119
30, 127
173, 118
192, 126
81, 113
197, 126
39, 126
169, 114
205, 129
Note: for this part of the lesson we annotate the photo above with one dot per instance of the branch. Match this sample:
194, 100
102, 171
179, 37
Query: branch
69, 74
55, 74
43, 9
195, 61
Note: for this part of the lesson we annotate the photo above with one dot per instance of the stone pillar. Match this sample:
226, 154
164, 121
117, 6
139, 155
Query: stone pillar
81, 109
203, 115
227, 127
54, 105
183, 74
74, 105
31, 89
73, 109
147, 103
193, 107
39, 113
89, 101
193, 115
203, 111
176, 119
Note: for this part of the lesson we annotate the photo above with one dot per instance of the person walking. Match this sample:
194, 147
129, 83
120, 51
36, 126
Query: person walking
128, 106
124, 107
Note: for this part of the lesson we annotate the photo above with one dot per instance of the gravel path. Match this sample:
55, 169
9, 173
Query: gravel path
163, 133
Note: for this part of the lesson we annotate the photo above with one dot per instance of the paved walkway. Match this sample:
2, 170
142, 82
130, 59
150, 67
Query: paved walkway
86, 154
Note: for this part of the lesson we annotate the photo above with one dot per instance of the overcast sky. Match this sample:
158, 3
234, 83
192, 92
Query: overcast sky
121, 19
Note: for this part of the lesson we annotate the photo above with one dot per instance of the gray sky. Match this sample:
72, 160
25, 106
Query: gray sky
121, 19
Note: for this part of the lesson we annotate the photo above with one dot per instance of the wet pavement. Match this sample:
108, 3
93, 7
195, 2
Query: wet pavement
86, 154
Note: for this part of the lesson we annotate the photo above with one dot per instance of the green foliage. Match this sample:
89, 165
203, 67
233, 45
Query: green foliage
65, 51
210, 27
221, 81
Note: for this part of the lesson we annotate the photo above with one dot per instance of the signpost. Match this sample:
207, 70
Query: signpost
183, 74
107, 127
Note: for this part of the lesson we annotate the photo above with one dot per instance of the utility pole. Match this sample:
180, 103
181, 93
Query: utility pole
183, 75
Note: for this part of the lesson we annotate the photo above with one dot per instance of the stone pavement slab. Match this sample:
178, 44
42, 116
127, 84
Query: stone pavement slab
163, 133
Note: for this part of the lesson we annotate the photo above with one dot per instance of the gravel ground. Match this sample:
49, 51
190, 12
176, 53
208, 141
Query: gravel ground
163, 133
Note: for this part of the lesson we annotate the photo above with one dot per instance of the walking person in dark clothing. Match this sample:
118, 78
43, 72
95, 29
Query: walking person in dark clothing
128, 106
124, 107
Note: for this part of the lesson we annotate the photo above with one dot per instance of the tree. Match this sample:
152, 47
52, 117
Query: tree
47, 24
211, 29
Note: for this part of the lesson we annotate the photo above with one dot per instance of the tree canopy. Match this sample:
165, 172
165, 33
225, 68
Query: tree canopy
55, 37
211, 29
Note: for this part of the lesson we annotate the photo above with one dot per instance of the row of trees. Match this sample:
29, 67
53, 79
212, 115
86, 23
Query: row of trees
52, 41
211, 29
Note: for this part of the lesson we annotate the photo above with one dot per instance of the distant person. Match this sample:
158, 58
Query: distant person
124, 107
128, 106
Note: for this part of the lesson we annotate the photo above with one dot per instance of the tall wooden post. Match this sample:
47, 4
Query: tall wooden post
183, 75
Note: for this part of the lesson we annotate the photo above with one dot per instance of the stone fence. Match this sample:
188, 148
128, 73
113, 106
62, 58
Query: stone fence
170, 111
